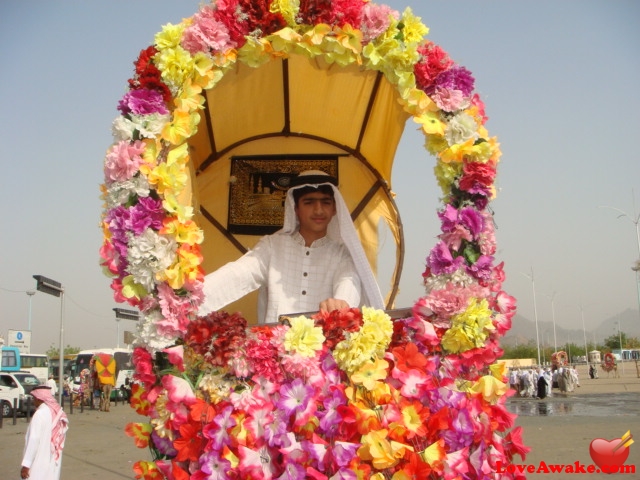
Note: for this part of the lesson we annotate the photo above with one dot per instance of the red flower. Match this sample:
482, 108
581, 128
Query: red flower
144, 367
216, 336
513, 444
190, 444
335, 323
478, 177
148, 76
433, 62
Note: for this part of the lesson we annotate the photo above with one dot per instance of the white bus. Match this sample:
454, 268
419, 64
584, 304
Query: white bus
36, 364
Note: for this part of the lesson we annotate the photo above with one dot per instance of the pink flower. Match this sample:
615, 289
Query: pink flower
375, 20
123, 161
448, 100
206, 34
176, 355
178, 390
257, 463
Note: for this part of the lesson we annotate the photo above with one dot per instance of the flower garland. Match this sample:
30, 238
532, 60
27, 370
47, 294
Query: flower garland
347, 395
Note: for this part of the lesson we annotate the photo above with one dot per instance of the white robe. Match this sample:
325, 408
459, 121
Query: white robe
38, 456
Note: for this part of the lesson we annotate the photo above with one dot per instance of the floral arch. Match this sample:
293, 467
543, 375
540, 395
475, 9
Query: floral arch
352, 394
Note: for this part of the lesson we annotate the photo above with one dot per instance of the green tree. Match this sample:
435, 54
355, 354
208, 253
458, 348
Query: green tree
54, 351
613, 341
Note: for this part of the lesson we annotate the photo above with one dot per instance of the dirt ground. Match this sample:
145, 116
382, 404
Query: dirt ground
97, 447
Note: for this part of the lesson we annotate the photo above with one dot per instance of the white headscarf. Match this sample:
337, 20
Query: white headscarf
341, 230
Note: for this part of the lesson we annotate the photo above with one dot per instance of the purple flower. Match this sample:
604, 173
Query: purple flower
330, 418
441, 261
472, 220
142, 102
343, 452
214, 466
293, 471
481, 269
147, 213
297, 399
163, 445
449, 218
455, 78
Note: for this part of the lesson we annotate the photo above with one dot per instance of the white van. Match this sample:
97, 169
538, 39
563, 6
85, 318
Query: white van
16, 386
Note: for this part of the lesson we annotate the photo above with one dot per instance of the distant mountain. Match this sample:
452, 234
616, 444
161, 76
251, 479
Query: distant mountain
523, 330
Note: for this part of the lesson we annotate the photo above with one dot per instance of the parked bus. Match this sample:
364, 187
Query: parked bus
10, 359
36, 364
67, 367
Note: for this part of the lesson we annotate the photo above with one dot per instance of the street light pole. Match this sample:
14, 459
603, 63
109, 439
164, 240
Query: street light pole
30, 293
46, 285
635, 219
535, 310
553, 318
584, 332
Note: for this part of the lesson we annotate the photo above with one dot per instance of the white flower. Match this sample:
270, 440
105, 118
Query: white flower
149, 254
461, 128
147, 126
148, 335
119, 193
459, 278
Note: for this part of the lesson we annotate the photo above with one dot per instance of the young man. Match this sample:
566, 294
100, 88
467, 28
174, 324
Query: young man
44, 441
315, 262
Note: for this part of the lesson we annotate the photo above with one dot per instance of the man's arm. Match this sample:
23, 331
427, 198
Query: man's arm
346, 285
236, 279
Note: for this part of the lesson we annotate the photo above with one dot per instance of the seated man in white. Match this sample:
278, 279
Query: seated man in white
315, 262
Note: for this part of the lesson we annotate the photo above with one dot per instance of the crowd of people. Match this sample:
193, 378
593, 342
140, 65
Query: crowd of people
539, 382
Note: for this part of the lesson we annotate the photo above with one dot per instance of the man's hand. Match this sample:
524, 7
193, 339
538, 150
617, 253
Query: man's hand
24, 472
331, 304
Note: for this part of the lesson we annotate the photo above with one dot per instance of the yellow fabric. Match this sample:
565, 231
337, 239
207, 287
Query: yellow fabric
105, 366
330, 111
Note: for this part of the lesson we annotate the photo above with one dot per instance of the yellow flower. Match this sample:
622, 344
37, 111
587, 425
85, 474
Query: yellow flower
434, 453
368, 343
303, 336
176, 65
170, 36
256, 52
446, 174
284, 40
498, 370
189, 98
168, 177
172, 204
184, 232
377, 449
185, 269
131, 289
456, 340
430, 123
287, 8
490, 388
182, 126
369, 374
414, 30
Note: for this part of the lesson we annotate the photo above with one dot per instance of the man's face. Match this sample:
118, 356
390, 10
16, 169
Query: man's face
314, 211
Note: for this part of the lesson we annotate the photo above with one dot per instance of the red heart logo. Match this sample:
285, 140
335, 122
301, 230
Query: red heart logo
603, 454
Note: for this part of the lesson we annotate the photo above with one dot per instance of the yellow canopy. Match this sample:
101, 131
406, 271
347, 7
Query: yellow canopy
284, 116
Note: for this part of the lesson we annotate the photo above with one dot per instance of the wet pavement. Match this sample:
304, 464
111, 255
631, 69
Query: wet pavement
593, 405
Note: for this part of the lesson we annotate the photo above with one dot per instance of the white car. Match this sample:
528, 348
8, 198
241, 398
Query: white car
16, 386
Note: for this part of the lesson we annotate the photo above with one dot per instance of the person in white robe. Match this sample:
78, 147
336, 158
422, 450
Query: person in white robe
314, 263
44, 440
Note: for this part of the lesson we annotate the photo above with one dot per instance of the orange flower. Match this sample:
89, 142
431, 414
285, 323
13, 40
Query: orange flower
147, 471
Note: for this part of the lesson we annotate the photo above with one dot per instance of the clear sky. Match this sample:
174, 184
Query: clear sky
559, 80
